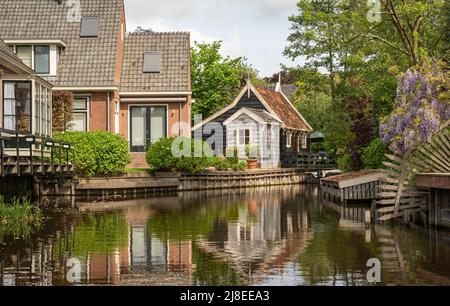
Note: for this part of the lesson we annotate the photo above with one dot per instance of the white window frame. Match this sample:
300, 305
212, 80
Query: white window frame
305, 141
33, 62
86, 111
269, 135
238, 138
288, 139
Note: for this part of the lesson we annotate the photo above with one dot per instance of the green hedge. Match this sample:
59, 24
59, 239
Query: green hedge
159, 156
195, 159
98, 153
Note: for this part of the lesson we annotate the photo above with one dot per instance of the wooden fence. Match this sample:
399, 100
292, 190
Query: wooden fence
308, 161
399, 196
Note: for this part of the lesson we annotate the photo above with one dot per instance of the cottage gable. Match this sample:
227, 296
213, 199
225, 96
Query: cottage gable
271, 101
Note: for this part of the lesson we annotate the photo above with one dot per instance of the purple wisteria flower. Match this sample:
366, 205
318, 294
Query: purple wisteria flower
418, 113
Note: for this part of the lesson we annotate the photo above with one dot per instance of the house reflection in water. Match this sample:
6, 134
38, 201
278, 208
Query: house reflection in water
262, 236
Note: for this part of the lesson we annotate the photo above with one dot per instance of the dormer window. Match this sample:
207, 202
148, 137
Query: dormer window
90, 26
42, 59
152, 62
36, 57
25, 54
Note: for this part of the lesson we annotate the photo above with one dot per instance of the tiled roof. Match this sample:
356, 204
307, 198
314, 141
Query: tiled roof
284, 109
288, 90
7, 50
262, 114
86, 62
175, 61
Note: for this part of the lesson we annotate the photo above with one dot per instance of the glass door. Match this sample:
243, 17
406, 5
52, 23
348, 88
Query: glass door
147, 125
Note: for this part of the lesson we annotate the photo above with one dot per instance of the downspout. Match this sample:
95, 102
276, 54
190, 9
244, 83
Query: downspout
179, 119
107, 111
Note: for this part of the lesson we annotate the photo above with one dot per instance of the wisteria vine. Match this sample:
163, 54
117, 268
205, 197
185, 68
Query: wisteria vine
421, 106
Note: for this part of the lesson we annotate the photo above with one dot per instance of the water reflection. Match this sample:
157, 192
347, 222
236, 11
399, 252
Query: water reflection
263, 236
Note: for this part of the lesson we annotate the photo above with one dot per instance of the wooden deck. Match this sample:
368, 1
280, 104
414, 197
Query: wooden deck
360, 185
23, 154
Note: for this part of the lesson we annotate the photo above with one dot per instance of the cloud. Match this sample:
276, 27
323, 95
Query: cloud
255, 29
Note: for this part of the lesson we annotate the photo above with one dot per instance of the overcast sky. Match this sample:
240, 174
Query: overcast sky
256, 29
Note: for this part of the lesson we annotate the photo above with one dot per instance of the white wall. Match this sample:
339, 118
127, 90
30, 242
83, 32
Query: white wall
268, 158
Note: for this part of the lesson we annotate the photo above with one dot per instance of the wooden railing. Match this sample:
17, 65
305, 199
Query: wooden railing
308, 161
28, 154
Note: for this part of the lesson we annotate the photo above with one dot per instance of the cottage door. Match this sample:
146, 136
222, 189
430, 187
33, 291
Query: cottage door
147, 125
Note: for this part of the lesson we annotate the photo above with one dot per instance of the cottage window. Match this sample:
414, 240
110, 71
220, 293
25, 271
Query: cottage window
89, 26
17, 105
288, 139
305, 141
80, 114
242, 137
152, 62
269, 135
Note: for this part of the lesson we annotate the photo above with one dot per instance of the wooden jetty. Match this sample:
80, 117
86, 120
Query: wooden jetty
34, 165
358, 185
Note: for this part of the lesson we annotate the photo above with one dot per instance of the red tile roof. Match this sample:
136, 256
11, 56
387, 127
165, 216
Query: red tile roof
284, 109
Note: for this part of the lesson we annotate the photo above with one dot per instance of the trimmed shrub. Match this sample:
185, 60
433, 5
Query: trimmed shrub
373, 155
194, 158
159, 155
98, 153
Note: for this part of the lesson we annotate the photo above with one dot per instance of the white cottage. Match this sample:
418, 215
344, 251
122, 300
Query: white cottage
258, 129
258, 117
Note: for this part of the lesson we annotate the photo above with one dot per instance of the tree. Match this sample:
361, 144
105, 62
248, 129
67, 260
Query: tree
216, 80
314, 36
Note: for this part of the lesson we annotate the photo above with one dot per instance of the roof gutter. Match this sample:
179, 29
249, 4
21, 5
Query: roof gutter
80, 89
154, 93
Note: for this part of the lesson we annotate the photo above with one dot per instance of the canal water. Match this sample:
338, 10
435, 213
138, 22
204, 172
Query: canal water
263, 236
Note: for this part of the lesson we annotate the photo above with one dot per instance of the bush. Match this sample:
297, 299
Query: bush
373, 155
345, 163
98, 153
159, 155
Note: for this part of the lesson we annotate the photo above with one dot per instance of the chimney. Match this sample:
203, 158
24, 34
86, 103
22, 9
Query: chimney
278, 85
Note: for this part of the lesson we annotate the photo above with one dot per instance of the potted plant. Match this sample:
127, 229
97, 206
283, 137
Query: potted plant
252, 156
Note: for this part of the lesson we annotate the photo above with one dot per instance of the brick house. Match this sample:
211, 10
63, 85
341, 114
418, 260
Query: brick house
135, 84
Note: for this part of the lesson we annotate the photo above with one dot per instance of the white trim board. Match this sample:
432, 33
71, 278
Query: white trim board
249, 113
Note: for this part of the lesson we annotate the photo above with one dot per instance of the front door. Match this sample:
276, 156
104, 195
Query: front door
147, 125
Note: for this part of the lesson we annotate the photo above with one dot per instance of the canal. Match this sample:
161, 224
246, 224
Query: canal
263, 236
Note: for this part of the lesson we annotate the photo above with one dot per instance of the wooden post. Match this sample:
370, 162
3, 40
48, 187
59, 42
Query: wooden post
368, 216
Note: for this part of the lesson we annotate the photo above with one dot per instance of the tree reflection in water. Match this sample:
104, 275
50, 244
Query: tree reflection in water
274, 235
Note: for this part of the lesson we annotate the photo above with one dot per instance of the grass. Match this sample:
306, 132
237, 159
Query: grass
18, 217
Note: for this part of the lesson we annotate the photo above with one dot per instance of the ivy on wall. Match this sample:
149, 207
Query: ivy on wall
62, 111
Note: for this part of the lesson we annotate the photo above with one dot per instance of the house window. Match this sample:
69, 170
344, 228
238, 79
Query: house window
288, 139
269, 135
80, 114
90, 26
42, 59
25, 54
242, 137
36, 57
152, 62
17, 106
304, 141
